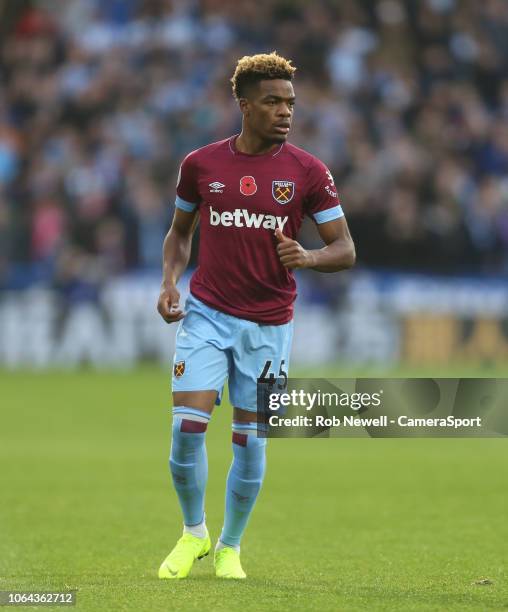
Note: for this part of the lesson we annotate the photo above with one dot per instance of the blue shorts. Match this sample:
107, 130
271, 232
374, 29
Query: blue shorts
212, 346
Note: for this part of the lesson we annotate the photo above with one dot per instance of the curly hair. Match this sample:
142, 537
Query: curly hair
251, 69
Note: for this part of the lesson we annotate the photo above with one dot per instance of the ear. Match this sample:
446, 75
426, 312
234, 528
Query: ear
244, 106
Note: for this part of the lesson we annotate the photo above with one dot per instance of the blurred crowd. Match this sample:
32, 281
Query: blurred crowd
405, 100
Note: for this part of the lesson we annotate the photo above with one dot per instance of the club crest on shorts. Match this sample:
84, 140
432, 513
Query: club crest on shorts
283, 191
179, 369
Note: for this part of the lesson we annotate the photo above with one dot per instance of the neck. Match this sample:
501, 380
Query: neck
250, 143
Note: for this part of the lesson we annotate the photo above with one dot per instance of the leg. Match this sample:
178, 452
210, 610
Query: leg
259, 345
200, 370
245, 477
243, 485
189, 469
188, 460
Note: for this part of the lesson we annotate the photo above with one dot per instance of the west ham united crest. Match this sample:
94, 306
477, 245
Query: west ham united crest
179, 368
283, 191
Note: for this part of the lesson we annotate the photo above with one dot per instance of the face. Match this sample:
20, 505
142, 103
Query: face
268, 109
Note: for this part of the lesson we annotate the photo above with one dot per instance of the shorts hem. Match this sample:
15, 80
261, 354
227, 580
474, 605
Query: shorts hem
200, 388
240, 407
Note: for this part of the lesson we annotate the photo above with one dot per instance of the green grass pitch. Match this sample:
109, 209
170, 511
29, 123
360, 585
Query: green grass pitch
341, 524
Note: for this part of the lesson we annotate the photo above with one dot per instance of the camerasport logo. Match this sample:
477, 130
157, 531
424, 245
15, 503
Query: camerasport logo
248, 185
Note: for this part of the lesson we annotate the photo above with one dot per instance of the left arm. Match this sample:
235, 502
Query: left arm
337, 254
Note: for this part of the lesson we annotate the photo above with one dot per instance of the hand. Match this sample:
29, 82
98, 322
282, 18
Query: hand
169, 305
291, 253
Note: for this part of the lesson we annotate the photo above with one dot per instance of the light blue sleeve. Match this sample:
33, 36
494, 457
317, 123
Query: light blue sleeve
330, 214
184, 205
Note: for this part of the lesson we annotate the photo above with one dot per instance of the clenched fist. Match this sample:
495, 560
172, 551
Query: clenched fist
291, 253
169, 305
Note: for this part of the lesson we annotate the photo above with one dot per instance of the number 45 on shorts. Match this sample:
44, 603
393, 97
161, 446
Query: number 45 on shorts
267, 377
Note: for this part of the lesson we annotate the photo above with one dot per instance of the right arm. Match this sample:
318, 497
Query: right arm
175, 257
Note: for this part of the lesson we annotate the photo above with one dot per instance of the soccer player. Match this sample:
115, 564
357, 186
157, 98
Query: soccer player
250, 193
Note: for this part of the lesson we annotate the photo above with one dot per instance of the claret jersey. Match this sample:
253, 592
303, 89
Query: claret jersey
241, 200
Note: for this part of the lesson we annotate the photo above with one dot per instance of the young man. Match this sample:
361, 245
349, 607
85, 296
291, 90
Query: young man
250, 193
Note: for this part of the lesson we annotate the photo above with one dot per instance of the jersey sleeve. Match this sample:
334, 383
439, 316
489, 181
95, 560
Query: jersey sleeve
322, 200
187, 194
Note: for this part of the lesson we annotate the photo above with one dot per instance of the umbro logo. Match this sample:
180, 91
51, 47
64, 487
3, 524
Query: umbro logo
216, 187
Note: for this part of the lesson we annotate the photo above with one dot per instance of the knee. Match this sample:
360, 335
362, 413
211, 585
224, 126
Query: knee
188, 434
249, 455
